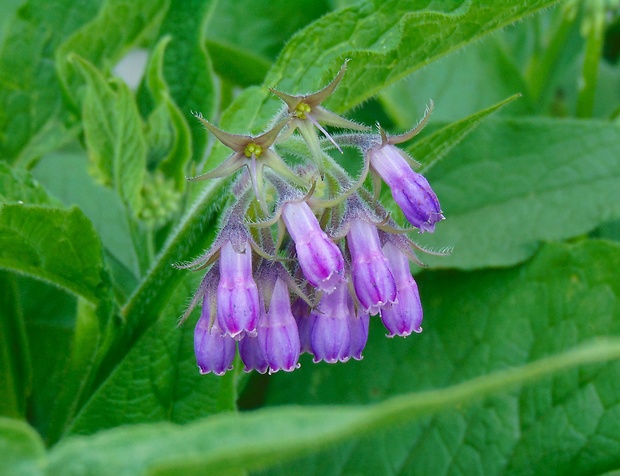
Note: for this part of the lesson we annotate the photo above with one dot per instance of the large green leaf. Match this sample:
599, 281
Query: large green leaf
513, 184
55, 245
386, 40
475, 324
230, 443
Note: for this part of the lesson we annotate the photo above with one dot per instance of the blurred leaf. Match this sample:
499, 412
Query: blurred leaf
17, 186
158, 380
460, 84
50, 318
243, 47
168, 135
434, 147
515, 183
234, 442
114, 136
187, 67
22, 450
386, 41
476, 324
33, 120
64, 174
119, 24
15, 365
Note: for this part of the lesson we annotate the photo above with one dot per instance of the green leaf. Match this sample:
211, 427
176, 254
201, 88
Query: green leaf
158, 380
187, 67
114, 136
15, 365
22, 450
118, 25
55, 245
477, 323
50, 321
434, 147
234, 442
243, 47
17, 186
386, 41
460, 84
64, 174
33, 120
168, 133
515, 183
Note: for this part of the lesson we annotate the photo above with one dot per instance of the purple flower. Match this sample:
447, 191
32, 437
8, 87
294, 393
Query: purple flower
330, 337
372, 279
237, 294
358, 326
251, 355
214, 352
320, 259
278, 336
405, 316
301, 312
410, 190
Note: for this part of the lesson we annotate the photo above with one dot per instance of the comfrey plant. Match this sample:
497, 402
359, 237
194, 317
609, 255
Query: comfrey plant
306, 254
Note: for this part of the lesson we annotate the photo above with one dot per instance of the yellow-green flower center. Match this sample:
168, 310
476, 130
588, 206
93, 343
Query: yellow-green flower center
301, 110
253, 149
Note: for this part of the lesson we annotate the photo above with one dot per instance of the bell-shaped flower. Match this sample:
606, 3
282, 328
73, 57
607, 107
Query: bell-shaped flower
214, 352
410, 190
252, 355
372, 278
358, 326
319, 257
301, 313
237, 294
330, 337
307, 114
405, 316
278, 336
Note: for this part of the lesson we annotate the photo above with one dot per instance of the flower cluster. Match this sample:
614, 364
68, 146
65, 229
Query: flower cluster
306, 254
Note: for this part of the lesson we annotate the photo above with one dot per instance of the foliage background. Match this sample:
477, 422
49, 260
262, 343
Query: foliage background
515, 371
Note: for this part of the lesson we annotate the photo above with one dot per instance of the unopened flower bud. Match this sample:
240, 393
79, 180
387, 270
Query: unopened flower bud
330, 337
372, 278
320, 258
278, 335
237, 294
405, 316
410, 190
214, 351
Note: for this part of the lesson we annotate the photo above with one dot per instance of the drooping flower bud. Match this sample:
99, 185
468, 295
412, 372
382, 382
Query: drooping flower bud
358, 325
372, 279
214, 351
410, 190
251, 355
237, 294
320, 259
330, 336
301, 313
278, 336
405, 316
